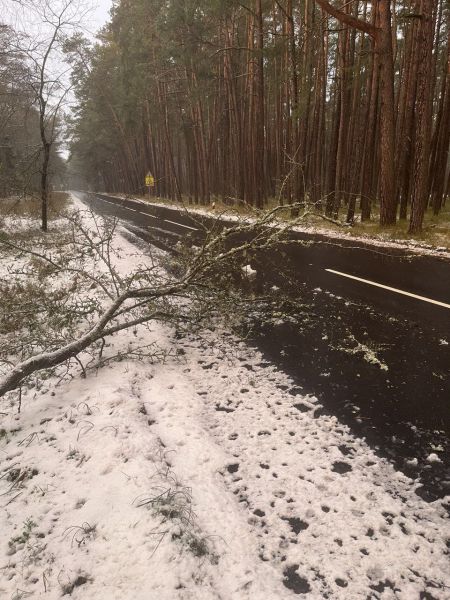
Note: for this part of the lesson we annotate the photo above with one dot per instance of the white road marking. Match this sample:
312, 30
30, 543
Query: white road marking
164, 231
151, 216
180, 225
391, 289
146, 214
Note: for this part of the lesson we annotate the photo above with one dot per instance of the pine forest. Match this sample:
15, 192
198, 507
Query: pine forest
342, 106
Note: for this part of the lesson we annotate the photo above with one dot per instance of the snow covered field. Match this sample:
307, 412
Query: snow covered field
207, 476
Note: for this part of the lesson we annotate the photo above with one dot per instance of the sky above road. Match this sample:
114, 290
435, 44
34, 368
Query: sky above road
97, 14
100, 14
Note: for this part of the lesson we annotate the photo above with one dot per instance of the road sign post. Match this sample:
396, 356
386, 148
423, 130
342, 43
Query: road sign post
149, 182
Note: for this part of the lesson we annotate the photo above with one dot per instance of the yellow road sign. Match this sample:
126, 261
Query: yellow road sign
149, 180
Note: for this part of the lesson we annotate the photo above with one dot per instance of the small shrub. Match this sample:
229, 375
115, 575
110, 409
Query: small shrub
80, 579
80, 534
174, 504
23, 537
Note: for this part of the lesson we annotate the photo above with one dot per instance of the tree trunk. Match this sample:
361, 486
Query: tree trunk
382, 36
44, 186
423, 117
383, 46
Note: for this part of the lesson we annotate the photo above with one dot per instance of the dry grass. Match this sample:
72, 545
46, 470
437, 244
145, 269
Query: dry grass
436, 229
30, 206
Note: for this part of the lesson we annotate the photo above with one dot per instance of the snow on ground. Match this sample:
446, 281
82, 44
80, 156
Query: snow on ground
207, 476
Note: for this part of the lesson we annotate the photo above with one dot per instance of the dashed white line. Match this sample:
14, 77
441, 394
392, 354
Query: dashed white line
180, 225
152, 216
164, 231
146, 214
390, 289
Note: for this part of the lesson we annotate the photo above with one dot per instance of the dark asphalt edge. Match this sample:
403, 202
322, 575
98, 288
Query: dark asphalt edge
385, 248
413, 276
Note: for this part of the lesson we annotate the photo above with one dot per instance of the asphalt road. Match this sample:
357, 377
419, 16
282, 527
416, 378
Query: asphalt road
364, 328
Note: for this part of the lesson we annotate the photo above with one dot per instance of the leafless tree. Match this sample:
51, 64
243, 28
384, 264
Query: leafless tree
42, 28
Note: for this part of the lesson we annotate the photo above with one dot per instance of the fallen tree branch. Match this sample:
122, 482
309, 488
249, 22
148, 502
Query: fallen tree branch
151, 299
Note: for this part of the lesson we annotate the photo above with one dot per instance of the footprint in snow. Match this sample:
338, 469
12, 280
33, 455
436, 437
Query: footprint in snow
293, 581
341, 467
345, 450
224, 409
233, 468
297, 525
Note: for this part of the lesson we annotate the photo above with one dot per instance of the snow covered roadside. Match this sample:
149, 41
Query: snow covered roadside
286, 501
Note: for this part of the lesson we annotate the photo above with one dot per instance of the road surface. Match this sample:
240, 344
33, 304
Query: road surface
364, 328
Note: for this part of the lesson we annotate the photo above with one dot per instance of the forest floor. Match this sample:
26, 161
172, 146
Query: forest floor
434, 236
205, 475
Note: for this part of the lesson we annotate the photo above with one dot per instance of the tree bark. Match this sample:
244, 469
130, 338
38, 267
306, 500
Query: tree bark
423, 117
383, 46
382, 36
